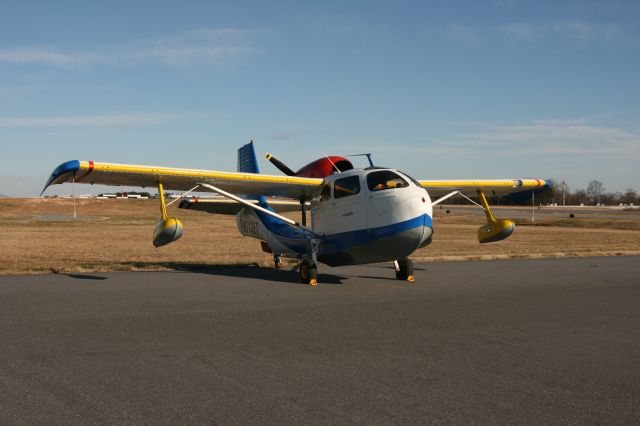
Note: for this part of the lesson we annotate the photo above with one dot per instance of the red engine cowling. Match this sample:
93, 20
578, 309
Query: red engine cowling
324, 166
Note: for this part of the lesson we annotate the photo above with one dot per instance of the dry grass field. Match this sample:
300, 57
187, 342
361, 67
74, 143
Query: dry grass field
41, 236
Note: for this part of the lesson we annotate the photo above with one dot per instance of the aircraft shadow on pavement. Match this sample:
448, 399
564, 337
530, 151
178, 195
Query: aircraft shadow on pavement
390, 266
85, 277
284, 275
387, 276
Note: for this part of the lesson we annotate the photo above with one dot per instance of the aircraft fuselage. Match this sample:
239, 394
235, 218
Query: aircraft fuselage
359, 216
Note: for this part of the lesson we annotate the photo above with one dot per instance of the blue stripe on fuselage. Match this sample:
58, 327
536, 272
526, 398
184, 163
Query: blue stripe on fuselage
296, 239
346, 240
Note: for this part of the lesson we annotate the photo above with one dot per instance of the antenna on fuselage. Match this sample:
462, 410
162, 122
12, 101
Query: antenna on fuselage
368, 155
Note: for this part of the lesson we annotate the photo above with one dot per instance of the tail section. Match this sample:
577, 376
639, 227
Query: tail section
247, 161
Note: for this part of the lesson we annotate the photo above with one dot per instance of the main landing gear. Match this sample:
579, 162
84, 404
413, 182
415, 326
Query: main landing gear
404, 269
308, 269
308, 272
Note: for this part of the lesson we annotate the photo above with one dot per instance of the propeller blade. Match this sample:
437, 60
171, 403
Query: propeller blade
280, 165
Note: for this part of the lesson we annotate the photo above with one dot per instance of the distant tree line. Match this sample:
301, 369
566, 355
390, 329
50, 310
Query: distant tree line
595, 193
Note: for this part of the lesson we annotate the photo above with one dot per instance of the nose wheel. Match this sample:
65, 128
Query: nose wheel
308, 272
404, 269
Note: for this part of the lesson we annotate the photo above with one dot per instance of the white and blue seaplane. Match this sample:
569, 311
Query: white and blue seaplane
358, 215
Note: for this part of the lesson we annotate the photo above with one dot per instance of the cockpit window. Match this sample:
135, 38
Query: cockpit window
412, 179
346, 186
325, 194
385, 179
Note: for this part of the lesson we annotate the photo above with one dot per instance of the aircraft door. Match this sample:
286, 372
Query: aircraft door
348, 205
320, 208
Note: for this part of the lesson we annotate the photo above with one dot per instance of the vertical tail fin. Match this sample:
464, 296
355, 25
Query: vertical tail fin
247, 161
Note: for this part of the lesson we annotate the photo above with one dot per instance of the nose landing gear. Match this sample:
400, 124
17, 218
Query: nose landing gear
404, 269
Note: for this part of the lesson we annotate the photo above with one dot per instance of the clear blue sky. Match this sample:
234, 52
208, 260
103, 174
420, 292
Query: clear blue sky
447, 89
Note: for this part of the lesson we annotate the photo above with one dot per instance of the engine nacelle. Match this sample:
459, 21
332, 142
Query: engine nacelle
495, 230
167, 231
321, 168
324, 167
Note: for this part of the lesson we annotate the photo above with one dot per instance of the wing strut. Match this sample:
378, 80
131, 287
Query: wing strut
303, 208
494, 229
256, 207
444, 197
184, 195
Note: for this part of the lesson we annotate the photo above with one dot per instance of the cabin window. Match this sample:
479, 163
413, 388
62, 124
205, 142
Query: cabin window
325, 194
346, 186
385, 179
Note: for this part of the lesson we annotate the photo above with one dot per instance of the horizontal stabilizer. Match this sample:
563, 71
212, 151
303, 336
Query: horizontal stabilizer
226, 206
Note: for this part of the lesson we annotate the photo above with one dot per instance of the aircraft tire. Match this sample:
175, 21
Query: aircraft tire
406, 269
308, 272
277, 262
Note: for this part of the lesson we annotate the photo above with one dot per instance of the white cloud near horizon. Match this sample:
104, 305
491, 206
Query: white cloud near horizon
558, 137
574, 31
206, 46
577, 31
106, 120
577, 138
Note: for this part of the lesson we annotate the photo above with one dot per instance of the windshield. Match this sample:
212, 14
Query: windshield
385, 179
411, 179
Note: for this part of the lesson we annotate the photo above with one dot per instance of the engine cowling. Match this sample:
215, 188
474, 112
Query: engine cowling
321, 168
167, 231
324, 167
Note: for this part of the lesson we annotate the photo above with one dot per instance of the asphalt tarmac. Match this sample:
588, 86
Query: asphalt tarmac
531, 341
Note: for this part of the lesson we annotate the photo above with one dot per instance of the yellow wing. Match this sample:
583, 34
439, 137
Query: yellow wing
491, 187
182, 179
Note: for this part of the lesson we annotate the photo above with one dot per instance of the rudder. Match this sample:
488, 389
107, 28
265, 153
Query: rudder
247, 161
